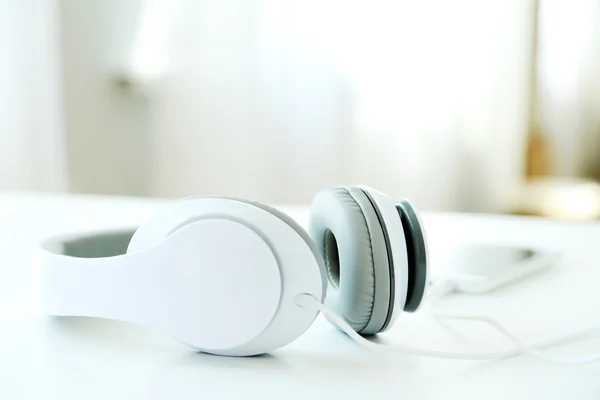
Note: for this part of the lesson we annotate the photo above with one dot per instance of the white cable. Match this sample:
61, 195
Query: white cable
443, 287
308, 301
522, 347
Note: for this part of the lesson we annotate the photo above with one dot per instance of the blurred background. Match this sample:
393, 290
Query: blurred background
479, 106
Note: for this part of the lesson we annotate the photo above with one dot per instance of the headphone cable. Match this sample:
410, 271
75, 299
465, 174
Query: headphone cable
309, 301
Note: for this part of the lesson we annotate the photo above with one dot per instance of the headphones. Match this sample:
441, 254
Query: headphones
224, 275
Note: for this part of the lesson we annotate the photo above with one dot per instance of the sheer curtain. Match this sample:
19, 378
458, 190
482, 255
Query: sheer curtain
275, 100
32, 146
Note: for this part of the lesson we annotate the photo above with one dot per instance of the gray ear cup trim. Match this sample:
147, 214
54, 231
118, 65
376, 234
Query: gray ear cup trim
332, 259
382, 262
91, 245
417, 255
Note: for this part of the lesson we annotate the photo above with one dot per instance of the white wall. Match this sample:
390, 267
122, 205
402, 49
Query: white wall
276, 100
107, 128
31, 131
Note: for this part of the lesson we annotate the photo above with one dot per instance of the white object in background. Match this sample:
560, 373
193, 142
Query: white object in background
481, 268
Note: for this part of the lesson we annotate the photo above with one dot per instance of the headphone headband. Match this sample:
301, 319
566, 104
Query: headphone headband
223, 282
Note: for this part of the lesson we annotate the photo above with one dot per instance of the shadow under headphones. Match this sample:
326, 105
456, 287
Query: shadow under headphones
230, 276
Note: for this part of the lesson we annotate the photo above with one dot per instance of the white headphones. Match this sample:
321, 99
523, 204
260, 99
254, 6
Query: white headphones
236, 278
224, 275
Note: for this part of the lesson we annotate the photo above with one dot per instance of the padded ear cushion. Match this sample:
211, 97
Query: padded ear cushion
345, 227
383, 287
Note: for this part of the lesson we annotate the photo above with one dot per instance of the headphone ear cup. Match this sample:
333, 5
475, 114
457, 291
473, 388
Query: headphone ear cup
300, 231
180, 213
347, 231
418, 269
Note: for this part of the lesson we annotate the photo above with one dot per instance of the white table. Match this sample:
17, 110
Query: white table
42, 358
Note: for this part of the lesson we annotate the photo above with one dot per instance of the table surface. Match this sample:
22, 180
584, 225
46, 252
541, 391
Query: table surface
77, 358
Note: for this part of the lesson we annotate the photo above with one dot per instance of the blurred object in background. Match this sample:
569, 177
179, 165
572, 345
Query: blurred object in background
574, 199
32, 135
538, 157
564, 112
274, 100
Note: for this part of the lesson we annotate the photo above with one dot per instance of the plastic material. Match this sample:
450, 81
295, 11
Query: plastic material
482, 268
179, 287
418, 274
222, 281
